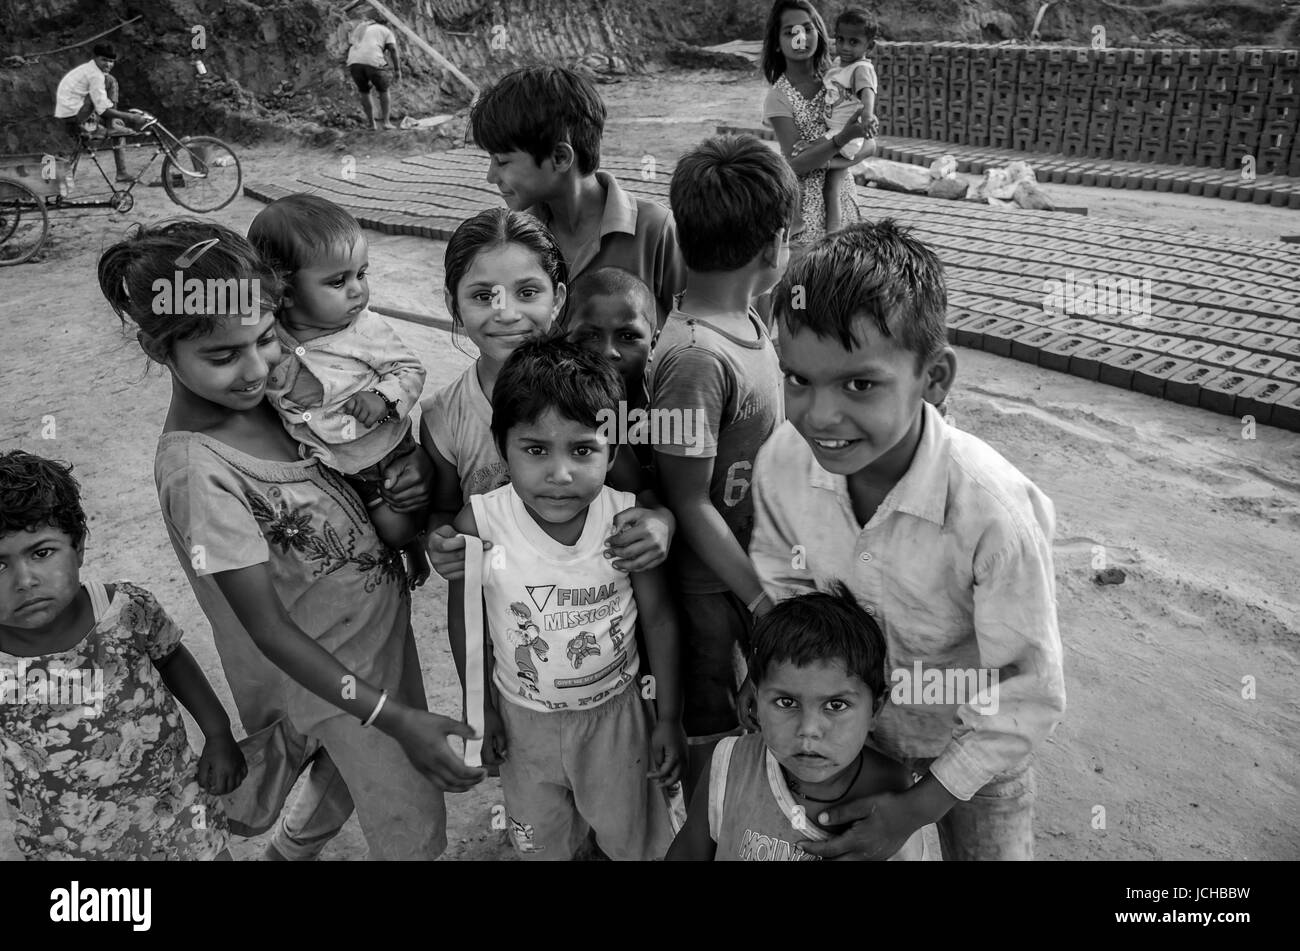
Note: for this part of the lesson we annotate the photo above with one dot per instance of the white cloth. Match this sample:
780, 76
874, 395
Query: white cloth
368, 41
562, 617
86, 80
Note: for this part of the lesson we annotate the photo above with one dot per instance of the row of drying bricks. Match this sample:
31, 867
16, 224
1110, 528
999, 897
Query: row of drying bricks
1233, 379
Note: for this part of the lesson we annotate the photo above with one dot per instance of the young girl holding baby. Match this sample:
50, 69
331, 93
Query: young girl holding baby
309, 609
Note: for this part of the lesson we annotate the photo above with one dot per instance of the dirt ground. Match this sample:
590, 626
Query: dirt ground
1160, 754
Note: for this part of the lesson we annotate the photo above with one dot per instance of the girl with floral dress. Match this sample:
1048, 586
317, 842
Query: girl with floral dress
310, 612
796, 54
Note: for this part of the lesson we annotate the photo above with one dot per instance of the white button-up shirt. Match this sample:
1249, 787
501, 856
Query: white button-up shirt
956, 568
86, 80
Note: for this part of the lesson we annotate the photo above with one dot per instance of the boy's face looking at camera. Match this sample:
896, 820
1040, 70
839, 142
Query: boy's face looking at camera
40, 577
815, 718
558, 466
851, 43
615, 327
852, 406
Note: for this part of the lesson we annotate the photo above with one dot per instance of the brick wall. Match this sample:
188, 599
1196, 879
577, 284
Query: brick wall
1181, 107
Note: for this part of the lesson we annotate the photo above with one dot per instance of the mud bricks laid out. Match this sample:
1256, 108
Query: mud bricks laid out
1207, 322
1237, 110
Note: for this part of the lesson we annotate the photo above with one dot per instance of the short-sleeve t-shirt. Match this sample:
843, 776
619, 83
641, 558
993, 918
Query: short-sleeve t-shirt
226, 510
367, 44
562, 617
459, 420
717, 394
97, 764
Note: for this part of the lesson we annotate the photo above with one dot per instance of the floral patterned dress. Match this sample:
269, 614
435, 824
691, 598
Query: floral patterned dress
226, 510
97, 764
810, 123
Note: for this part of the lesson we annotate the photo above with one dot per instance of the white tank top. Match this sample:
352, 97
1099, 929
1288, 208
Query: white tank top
562, 618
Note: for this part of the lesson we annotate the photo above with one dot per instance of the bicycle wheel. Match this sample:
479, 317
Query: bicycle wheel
23, 222
202, 174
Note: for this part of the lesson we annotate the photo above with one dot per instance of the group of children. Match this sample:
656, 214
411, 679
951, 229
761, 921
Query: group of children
765, 540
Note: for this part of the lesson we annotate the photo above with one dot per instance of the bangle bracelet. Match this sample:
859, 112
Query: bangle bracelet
752, 605
383, 699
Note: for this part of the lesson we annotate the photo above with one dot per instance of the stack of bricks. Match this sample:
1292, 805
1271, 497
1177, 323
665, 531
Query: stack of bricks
1210, 108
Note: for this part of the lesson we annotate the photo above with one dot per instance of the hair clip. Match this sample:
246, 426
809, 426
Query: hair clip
189, 255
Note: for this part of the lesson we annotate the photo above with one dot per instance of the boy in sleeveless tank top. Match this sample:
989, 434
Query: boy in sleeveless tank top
563, 715
818, 665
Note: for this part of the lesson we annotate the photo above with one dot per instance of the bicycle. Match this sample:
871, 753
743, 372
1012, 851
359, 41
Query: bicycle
200, 173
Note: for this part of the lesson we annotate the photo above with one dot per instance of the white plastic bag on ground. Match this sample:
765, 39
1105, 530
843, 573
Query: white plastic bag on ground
943, 167
894, 176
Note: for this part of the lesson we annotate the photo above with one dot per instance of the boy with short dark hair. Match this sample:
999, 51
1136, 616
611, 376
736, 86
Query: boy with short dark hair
946, 543
576, 747
543, 126
818, 664
611, 312
715, 368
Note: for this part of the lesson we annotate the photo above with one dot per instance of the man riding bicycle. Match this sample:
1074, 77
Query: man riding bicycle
83, 93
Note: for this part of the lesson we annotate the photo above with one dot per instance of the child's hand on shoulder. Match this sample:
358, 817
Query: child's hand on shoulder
668, 751
221, 767
367, 408
640, 540
882, 823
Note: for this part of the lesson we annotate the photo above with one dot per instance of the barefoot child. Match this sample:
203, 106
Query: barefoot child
715, 366
543, 126
309, 609
347, 383
96, 761
567, 724
850, 93
818, 668
945, 543
505, 284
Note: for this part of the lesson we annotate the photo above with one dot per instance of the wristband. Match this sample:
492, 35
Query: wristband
391, 404
752, 605
383, 699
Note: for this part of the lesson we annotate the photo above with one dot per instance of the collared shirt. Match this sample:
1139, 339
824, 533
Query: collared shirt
955, 566
636, 235
86, 80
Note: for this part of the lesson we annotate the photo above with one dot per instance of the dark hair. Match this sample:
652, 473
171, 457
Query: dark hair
104, 50
492, 229
552, 373
536, 108
878, 270
128, 270
613, 282
822, 626
730, 196
856, 16
291, 232
35, 492
773, 59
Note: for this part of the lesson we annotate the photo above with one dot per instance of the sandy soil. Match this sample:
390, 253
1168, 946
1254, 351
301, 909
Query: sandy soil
1205, 522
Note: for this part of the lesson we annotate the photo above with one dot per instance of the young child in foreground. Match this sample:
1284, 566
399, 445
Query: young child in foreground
346, 384
945, 543
850, 88
97, 764
567, 725
818, 666
716, 370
